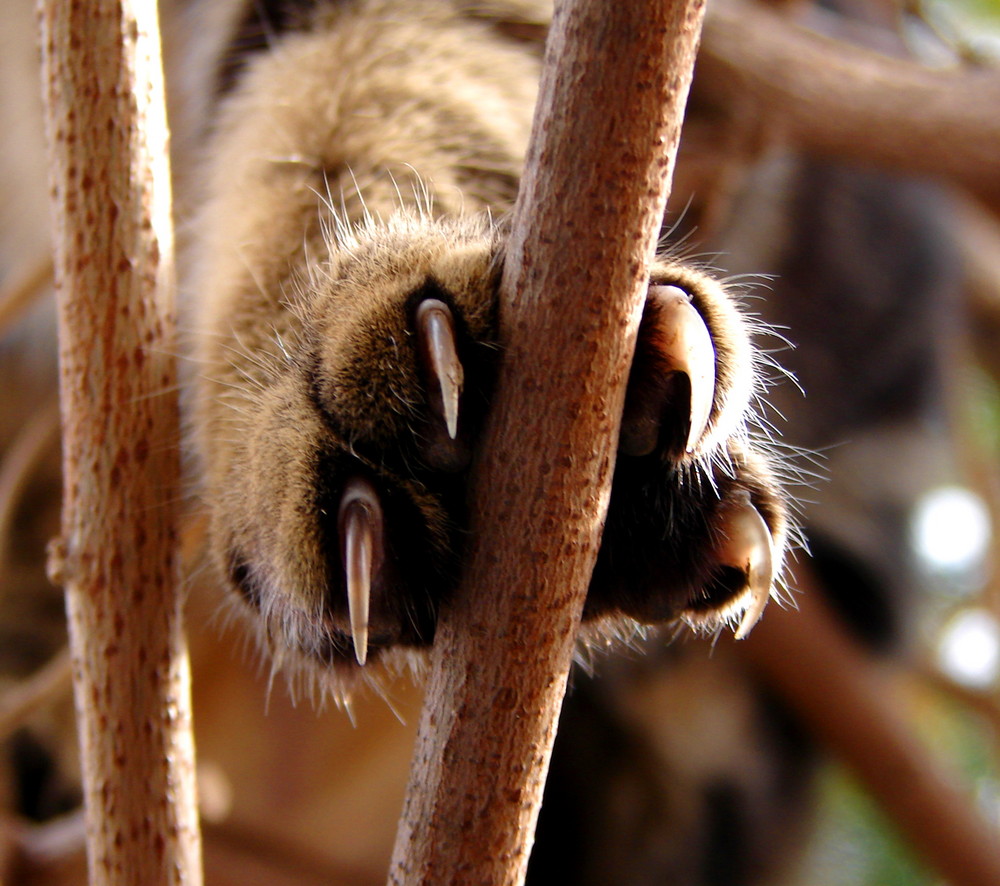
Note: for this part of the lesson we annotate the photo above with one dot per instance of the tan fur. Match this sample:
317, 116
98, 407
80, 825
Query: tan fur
263, 276
350, 165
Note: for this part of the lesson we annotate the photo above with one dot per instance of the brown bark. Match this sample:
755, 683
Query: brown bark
602, 149
829, 96
850, 703
117, 555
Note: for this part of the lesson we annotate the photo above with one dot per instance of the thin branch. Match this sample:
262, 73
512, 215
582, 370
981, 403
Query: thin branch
848, 701
978, 243
57, 844
49, 683
603, 143
18, 295
107, 137
981, 703
830, 96
32, 443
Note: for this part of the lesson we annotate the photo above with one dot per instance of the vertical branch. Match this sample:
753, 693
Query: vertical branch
117, 557
602, 149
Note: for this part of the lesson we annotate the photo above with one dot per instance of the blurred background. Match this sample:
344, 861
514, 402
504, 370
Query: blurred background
685, 761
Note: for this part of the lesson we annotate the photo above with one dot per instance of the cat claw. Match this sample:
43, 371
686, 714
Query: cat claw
436, 332
361, 540
749, 548
688, 348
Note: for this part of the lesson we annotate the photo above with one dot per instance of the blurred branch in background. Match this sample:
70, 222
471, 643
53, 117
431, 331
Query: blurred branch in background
851, 703
836, 98
26, 288
809, 90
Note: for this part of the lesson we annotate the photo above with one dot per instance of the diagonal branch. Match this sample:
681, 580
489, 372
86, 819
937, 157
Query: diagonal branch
830, 96
848, 701
602, 149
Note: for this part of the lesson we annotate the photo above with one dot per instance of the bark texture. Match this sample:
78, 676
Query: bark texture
118, 553
599, 162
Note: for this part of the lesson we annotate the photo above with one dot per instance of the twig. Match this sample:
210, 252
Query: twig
44, 844
107, 138
981, 703
22, 699
848, 702
17, 296
602, 149
29, 446
978, 243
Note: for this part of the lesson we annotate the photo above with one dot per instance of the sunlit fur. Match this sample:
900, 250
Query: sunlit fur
351, 167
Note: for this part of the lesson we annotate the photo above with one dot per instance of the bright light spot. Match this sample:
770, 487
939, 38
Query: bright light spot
951, 530
969, 649
988, 799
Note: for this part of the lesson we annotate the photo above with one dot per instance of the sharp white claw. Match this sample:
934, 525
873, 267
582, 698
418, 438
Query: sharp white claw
360, 522
748, 547
689, 349
437, 343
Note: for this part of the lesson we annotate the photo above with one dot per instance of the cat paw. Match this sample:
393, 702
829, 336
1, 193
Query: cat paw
336, 485
697, 523
339, 509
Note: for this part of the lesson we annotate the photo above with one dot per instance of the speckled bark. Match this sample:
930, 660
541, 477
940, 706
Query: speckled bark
117, 554
599, 163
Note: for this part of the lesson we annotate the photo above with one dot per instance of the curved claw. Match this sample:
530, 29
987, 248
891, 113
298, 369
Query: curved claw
361, 545
688, 348
436, 329
749, 548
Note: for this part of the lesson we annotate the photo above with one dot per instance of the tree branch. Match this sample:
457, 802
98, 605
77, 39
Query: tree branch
602, 149
110, 183
50, 682
27, 287
830, 96
848, 702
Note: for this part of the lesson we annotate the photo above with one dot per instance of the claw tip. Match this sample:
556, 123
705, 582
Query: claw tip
361, 529
443, 365
751, 547
689, 349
